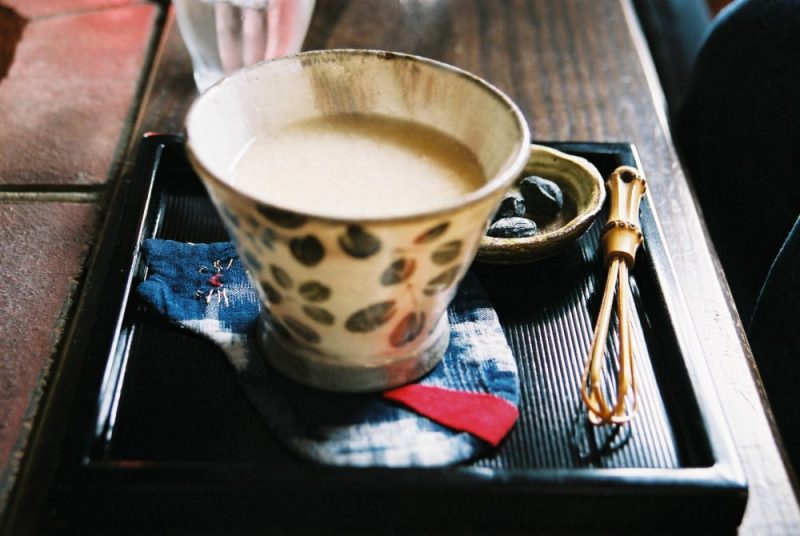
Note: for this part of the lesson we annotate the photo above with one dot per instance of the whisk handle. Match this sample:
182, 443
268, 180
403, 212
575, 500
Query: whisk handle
622, 235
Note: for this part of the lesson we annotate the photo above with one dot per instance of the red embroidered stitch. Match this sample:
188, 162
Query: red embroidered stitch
216, 282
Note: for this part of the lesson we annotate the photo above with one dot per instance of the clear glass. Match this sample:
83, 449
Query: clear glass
225, 35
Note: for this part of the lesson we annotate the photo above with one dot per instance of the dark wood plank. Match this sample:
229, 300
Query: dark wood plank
580, 71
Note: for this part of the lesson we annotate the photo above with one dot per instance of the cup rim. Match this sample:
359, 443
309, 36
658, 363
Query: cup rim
500, 181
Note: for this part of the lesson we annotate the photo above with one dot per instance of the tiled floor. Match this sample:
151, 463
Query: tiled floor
72, 73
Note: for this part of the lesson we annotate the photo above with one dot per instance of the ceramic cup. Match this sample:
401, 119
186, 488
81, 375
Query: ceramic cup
355, 304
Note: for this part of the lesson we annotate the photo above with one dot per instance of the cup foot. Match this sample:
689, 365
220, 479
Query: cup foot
311, 369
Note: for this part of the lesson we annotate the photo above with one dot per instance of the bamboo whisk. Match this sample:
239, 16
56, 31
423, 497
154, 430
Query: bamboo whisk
620, 239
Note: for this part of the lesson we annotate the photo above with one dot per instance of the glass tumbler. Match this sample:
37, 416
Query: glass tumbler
225, 35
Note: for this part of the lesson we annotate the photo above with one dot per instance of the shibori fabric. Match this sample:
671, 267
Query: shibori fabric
460, 410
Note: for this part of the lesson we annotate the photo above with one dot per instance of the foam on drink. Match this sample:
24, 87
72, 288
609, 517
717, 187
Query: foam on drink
366, 166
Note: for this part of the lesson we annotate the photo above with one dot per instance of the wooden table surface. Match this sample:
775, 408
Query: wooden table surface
580, 70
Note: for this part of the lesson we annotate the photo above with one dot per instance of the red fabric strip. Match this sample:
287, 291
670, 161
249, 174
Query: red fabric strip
486, 416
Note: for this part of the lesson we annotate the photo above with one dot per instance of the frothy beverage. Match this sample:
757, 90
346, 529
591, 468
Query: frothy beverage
362, 166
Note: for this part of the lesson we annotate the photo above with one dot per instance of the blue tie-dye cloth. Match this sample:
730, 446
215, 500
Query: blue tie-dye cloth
204, 288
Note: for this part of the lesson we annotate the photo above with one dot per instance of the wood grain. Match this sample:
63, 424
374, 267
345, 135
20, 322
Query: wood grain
579, 71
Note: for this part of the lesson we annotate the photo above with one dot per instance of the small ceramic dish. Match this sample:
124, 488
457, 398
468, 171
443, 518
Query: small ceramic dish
584, 193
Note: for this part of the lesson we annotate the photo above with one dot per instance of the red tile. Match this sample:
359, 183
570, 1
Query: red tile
45, 8
68, 94
44, 248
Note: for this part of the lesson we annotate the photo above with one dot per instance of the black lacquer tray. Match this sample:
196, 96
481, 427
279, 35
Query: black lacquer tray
160, 436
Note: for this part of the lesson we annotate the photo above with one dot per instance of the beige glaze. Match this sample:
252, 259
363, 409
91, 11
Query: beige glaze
356, 301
